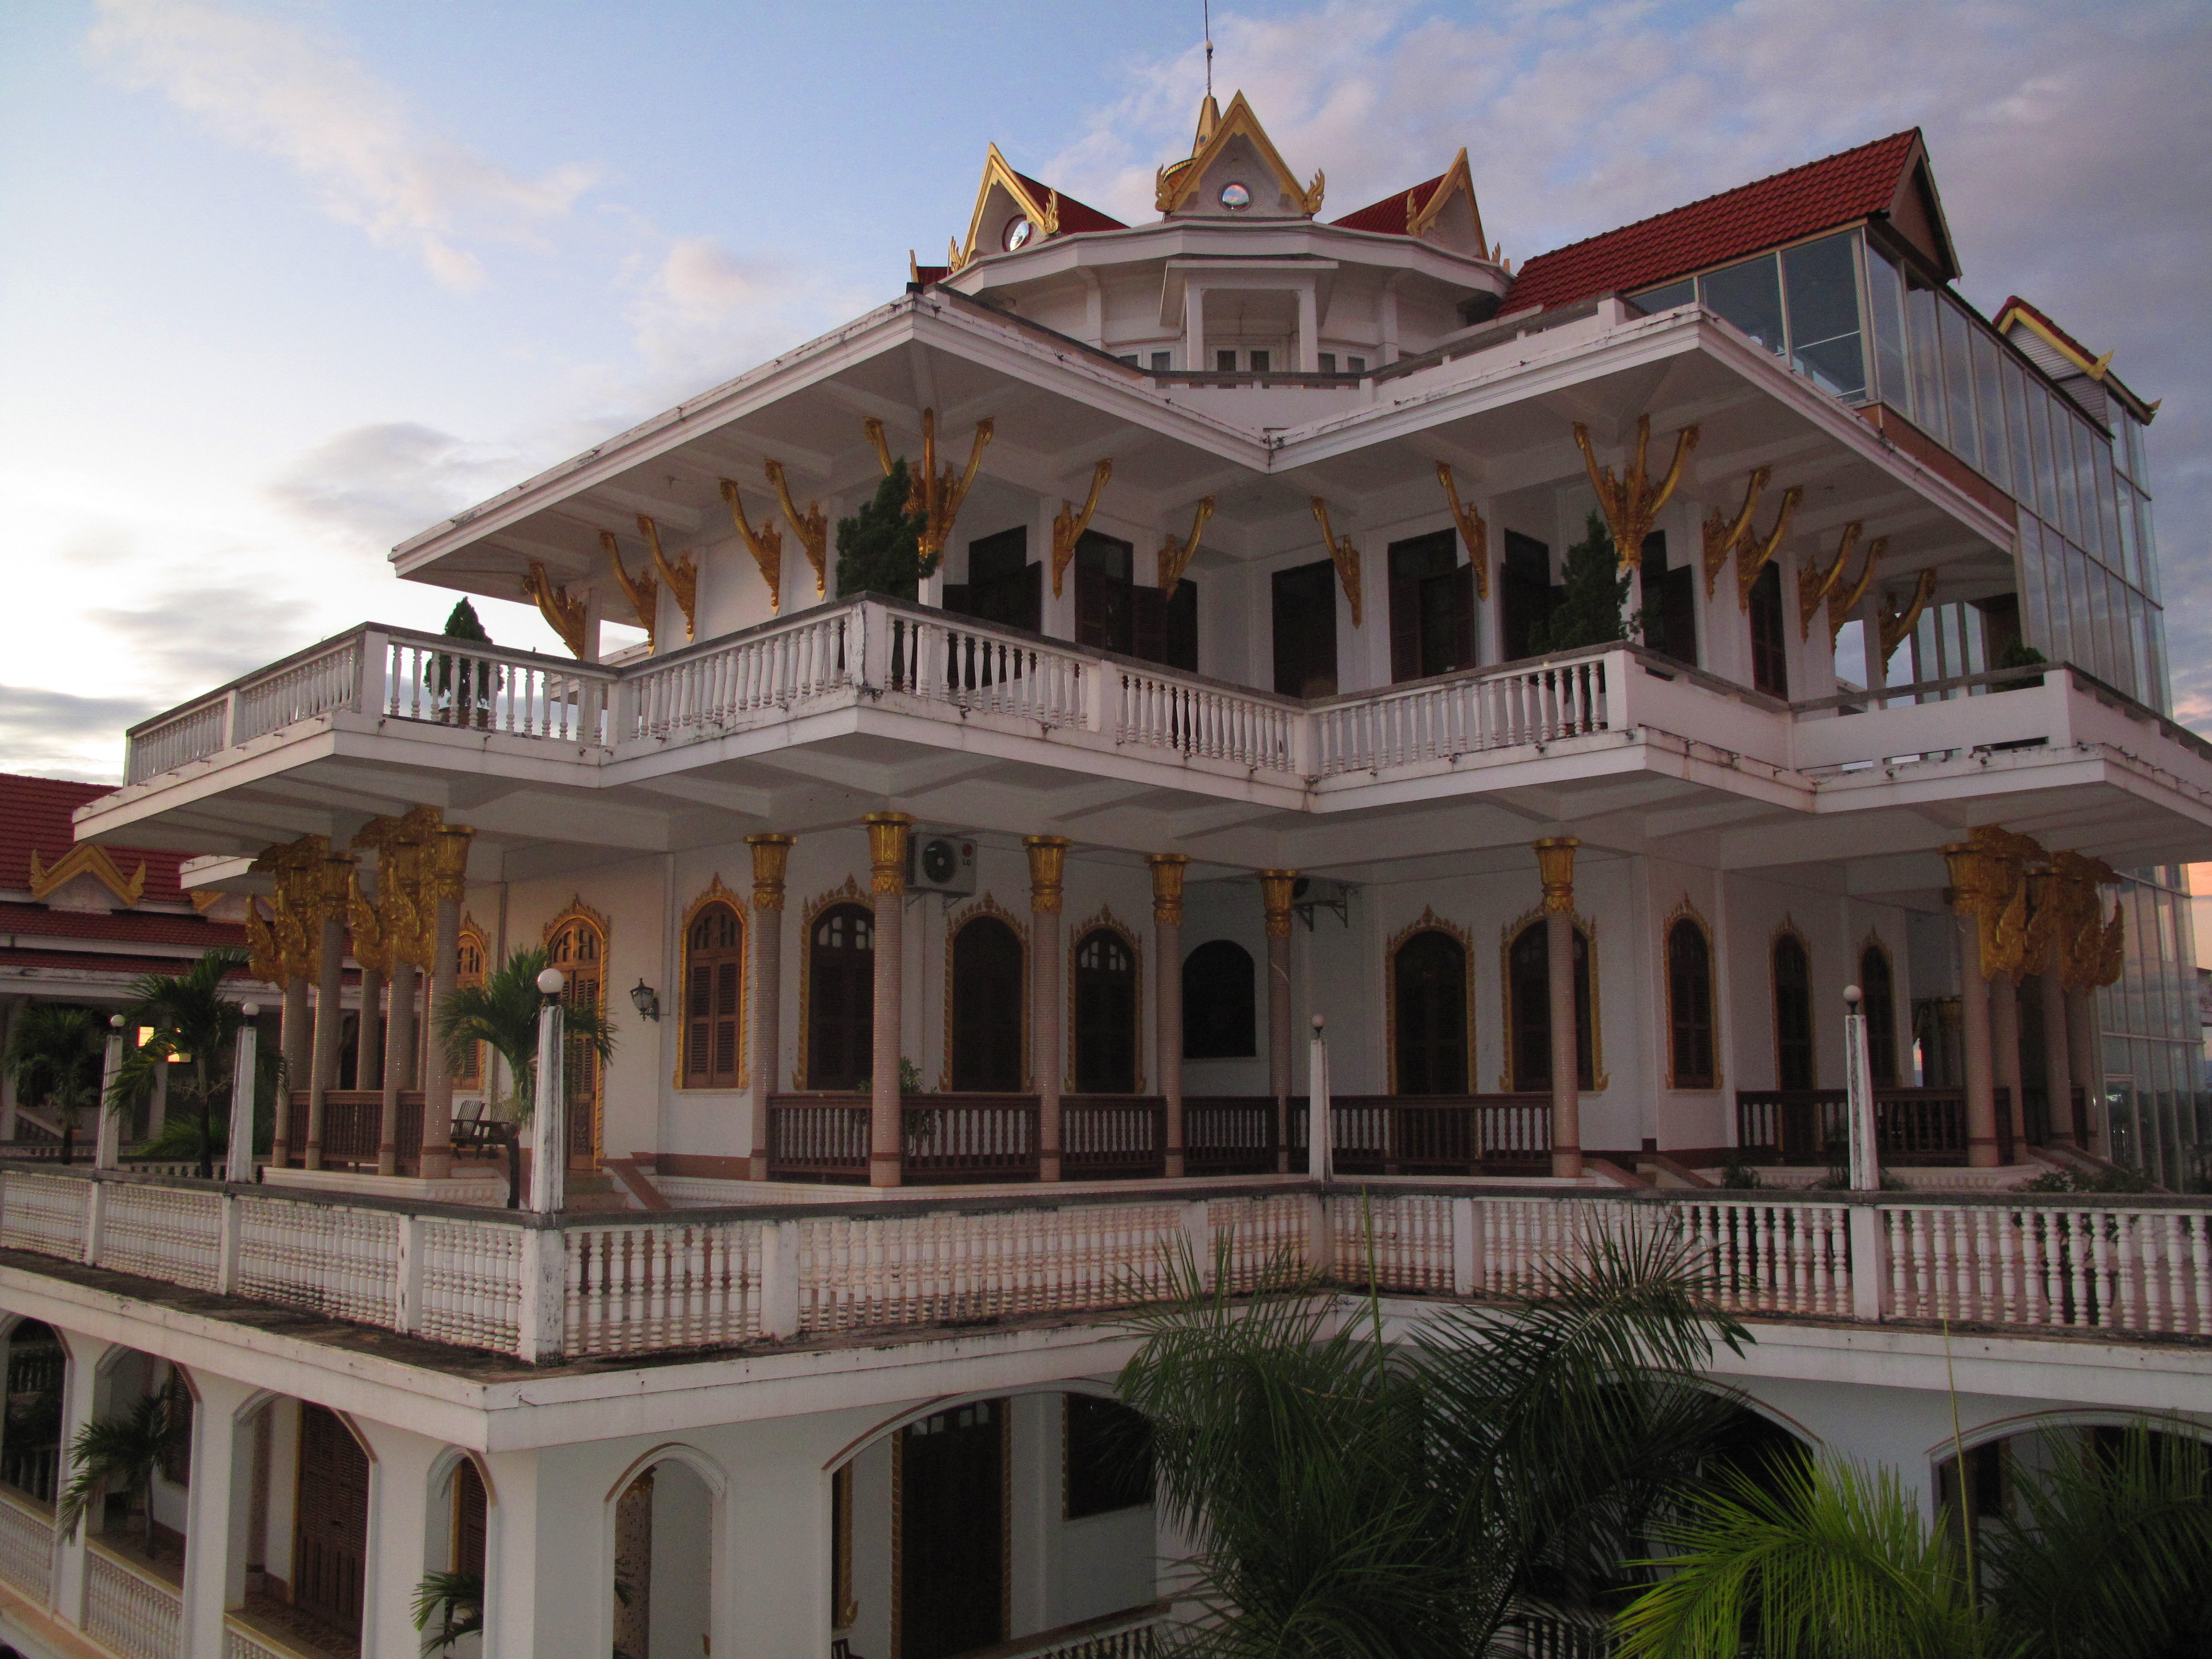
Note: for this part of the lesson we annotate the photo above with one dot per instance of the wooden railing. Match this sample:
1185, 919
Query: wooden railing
1911, 1126
1441, 1134
945, 1137
353, 1129
539, 1287
1112, 1137
1232, 1135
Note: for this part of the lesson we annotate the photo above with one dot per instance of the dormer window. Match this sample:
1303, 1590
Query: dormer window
1235, 197
1017, 233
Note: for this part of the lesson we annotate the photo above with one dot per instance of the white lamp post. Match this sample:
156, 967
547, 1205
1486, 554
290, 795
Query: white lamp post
1858, 1097
1321, 1148
239, 1166
107, 1143
549, 1163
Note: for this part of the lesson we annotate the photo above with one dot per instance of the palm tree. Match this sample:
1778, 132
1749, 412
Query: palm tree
192, 1022
503, 1012
1352, 1496
54, 1057
455, 1600
121, 1453
2107, 1554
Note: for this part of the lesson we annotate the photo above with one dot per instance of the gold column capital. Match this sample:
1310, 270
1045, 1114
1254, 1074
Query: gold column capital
1555, 866
1276, 887
887, 850
771, 858
1047, 869
1167, 886
445, 862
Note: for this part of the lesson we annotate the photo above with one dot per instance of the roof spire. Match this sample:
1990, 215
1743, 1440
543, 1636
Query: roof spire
1209, 113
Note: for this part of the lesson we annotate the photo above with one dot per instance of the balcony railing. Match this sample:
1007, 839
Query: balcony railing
539, 1287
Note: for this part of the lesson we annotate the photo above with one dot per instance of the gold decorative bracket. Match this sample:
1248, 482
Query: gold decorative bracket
643, 594
1176, 556
1344, 554
812, 527
1814, 586
1723, 536
1754, 550
765, 544
1068, 524
682, 576
1842, 602
936, 497
874, 428
1894, 625
564, 615
1472, 530
1632, 503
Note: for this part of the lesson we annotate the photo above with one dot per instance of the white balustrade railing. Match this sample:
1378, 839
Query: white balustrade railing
126, 1610
240, 1643
727, 687
1442, 719
981, 671
1210, 722
1138, 1636
26, 1546
299, 690
700, 1279
179, 739
516, 694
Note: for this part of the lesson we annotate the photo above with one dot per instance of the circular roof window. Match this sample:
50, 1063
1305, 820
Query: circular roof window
1235, 196
1017, 233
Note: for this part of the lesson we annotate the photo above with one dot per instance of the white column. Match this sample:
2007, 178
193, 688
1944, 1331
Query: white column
79, 1385
1308, 331
398, 1537
218, 1506
1193, 327
548, 1158
330, 1016
887, 833
108, 1133
157, 1108
771, 858
1048, 1043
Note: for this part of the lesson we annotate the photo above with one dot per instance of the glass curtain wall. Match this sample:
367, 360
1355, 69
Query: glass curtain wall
2154, 1096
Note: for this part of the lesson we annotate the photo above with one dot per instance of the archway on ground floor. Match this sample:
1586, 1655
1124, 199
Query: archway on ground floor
457, 1548
37, 1371
977, 1521
2003, 1459
137, 1473
666, 1514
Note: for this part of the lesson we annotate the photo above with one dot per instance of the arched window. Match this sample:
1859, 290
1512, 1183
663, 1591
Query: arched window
663, 1561
840, 992
1428, 1010
30, 1448
471, 1518
1217, 1002
1690, 1063
1529, 998
1793, 1014
469, 970
1105, 1014
988, 1008
1879, 989
577, 946
714, 996
330, 1549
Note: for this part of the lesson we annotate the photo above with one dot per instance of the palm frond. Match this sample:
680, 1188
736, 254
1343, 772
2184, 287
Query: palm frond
121, 1453
456, 1601
502, 1012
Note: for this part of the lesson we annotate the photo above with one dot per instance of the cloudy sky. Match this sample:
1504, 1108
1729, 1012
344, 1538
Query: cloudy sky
284, 281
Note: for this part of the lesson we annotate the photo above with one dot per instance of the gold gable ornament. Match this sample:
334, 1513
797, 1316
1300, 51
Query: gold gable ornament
1176, 184
1632, 503
1814, 585
1176, 556
1068, 524
565, 616
92, 860
1722, 536
681, 575
1343, 554
1842, 601
1754, 552
933, 497
643, 592
1472, 530
812, 527
1893, 624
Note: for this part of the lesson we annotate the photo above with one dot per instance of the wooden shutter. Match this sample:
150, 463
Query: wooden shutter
713, 998
1148, 624
1463, 636
1032, 616
471, 1511
1182, 627
1404, 629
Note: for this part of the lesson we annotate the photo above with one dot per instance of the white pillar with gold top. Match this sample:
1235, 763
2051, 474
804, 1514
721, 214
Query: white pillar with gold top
771, 858
1048, 873
445, 882
1167, 975
887, 834
1555, 865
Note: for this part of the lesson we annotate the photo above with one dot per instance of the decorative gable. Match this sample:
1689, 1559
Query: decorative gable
85, 879
1236, 151
1014, 211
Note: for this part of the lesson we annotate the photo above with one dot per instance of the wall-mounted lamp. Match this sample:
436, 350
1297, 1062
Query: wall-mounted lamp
646, 1000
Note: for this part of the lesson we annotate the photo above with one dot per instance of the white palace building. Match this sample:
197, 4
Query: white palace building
963, 949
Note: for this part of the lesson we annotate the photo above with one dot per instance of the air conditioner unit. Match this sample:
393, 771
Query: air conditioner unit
941, 861
1311, 893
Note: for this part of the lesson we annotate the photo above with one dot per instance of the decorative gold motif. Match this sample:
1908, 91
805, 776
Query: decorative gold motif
716, 892
406, 911
2092, 951
1630, 502
1585, 925
682, 575
1167, 869
1173, 187
643, 592
849, 893
1688, 912
1813, 585
1894, 625
1458, 180
812, 527
1044, 215
1047, 870
1754, 550
975, 910
1176, 556
445, 862
1428, 922
1842, 602
1343, 554
1068, 524
934, 497
1555, 866
1723, 536
1989, 882
88, 858
1472, 530
887, 850
1107, 920
564, 615
287, 946
765, 544
771, 859
365, 924
1276, 889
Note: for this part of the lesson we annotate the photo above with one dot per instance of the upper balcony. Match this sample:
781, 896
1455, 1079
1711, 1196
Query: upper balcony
972, 723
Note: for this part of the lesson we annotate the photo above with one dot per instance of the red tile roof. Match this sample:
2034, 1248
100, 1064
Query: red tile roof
1839, 189
1074, 215
34, 816
24, 963
1393, 213
132, 926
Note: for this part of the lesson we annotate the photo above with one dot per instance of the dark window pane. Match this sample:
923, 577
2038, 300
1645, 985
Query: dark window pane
1885, 306
1958, 383
1793, 1014
1218, 997
1690, 1005
1879, 991
1430, 975
1110, 1457
1260, 362
1666, 298
1750, 296
1824, 313
1989, 397
1306, 630
1927, 362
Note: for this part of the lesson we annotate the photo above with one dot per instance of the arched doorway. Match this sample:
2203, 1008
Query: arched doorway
1529, 1009
1793, 1013
1219, 1002
989, 1011
576, 943
840, 992
329, 1529
1105, 1014
664, 1563
1878, 989
714, 996
1429, 992
1691, 1062
31, 1437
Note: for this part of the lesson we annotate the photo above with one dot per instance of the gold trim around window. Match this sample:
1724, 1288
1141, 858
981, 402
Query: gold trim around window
1587, 926
976, 909
1688, 912
578, 911
1428, 922
714, 893
471, 1073
850, 893
1113, 924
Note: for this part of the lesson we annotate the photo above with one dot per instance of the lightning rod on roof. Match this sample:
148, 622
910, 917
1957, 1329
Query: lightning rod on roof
1206, 11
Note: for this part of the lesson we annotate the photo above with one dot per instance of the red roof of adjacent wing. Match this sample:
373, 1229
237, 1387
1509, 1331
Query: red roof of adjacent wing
1392, 214
1074, 215
1839, 189
35, 816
